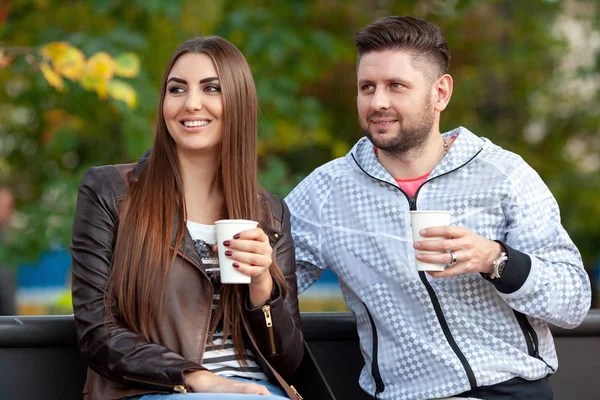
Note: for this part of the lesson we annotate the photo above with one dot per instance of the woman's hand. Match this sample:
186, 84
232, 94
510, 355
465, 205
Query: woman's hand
252, 255
204, 381
251, 252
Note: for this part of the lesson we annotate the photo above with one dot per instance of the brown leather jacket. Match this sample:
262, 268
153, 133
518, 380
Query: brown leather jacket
121, 363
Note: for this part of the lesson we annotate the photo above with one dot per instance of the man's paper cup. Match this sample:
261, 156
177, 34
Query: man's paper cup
426, 219
226, 229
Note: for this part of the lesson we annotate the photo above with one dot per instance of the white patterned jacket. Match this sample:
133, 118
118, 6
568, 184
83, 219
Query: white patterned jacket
424, 337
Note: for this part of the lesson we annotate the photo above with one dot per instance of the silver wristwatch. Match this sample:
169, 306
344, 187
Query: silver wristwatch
498, 266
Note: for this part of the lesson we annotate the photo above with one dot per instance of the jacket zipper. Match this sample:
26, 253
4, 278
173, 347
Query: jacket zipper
412, 201
531, 338
266, 309
296, 392
260, 355
379, 385
174, 388
446, 329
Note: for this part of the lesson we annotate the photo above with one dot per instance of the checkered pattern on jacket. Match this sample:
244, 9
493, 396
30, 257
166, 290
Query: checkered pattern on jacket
349, 216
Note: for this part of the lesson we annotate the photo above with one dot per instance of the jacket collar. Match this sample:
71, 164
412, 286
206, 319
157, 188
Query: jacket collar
186, 247
141, 164
466, 146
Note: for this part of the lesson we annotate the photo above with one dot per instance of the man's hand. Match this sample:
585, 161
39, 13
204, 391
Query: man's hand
473, 253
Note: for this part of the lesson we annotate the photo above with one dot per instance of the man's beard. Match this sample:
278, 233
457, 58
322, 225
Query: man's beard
407, 138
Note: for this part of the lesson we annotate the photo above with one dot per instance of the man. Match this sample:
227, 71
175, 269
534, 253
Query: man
7, 285
478, 328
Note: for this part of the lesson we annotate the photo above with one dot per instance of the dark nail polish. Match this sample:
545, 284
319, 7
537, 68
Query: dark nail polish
235, 265
236, 236
226, 243
228, 253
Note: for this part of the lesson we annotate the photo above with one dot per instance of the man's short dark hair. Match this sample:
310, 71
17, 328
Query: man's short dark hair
420, 37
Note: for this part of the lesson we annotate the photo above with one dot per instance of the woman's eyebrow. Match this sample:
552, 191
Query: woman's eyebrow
212, 78
179, 80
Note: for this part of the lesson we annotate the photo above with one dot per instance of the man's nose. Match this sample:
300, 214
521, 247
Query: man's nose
380, 100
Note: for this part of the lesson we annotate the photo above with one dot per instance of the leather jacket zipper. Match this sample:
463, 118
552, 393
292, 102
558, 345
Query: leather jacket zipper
171, 388
296, 393
266, 309
259, 354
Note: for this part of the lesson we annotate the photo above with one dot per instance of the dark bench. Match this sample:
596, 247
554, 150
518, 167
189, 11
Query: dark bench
39, 359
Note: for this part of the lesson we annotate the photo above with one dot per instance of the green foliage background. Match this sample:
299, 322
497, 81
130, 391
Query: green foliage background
521, 79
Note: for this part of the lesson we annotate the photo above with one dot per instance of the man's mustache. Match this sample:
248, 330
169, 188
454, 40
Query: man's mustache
379, 114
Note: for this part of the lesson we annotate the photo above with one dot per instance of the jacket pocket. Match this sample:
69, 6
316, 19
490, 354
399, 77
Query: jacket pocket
531, 338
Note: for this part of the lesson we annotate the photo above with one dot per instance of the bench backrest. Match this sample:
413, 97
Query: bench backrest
39, 359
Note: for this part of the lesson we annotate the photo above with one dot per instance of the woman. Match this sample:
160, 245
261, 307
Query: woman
150, 312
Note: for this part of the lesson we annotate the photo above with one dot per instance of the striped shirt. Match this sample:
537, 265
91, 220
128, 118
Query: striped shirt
220, 361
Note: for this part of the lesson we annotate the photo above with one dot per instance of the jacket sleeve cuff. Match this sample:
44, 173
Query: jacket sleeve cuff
275, 293
515, 273
187, 387
257, 319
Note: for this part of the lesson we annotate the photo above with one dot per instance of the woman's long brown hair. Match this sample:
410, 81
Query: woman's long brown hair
143, 255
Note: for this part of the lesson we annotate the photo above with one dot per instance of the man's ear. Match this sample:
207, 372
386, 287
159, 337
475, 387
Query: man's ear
442, 92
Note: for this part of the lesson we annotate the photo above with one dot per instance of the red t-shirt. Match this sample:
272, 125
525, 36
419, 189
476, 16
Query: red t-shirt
410, 186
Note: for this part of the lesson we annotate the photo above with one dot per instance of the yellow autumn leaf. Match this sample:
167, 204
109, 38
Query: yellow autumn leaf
95, 84
70, 63
127, 65
123, 91
54, 49
66, 59
52, 77
97, 73
89, 82
100, 65
102, 89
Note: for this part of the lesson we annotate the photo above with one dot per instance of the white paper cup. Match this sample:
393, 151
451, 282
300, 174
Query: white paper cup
426, 219
226, 228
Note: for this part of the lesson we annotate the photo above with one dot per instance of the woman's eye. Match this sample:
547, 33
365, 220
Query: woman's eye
212, 88
175, 89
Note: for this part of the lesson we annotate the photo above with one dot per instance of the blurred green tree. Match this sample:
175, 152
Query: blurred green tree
526, 76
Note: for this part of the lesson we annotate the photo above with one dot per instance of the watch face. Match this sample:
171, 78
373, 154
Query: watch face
499, 265
502, 263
